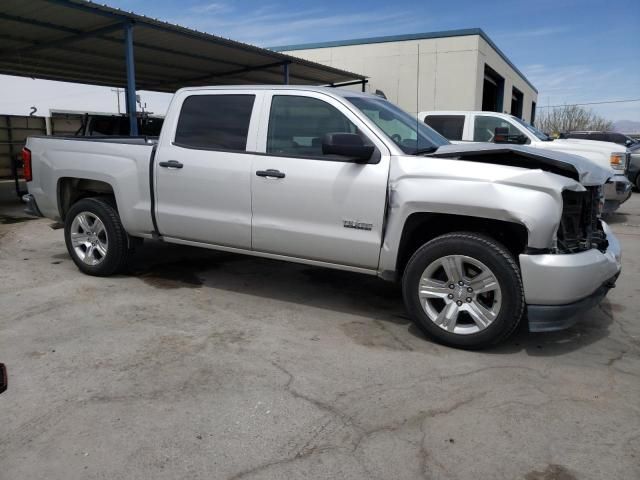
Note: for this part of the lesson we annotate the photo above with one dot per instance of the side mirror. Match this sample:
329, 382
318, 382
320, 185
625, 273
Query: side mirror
3, 377
347, 145
501, 135
521, 139
628, 143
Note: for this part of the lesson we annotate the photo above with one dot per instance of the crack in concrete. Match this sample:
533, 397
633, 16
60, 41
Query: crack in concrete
348, 421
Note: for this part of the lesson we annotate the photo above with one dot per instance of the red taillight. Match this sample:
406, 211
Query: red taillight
26, 164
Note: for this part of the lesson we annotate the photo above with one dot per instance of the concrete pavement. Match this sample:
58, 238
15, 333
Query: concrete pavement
210, 365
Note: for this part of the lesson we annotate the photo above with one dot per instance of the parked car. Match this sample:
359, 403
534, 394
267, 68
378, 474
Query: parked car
632, 144
633, 172
613, 137
118, 125
477, 233
481, 127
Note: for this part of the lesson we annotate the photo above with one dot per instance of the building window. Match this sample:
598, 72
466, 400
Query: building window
517, 102
492, 90
533, 113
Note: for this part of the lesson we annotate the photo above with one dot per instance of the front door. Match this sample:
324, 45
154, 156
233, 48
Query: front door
203, 184
310, 205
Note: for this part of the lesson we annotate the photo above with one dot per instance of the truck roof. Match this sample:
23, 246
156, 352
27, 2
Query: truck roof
333, 91
465, 112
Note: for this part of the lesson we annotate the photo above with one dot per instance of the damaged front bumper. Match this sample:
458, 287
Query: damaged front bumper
560, 287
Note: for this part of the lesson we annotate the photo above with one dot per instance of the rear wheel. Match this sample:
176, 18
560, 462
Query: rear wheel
95, 237
464, 290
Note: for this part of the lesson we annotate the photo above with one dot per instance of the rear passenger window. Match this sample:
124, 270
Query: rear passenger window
297, 125
449, 126
216, 122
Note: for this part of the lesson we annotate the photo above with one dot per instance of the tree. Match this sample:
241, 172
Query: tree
570, 118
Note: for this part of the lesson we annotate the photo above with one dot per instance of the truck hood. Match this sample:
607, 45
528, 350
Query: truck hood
579, 145
572, 166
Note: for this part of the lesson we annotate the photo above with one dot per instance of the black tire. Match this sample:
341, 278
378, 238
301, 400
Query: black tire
638, 182
503, 267
117, 252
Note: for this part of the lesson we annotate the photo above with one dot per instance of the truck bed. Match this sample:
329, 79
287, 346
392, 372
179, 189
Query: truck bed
123, 163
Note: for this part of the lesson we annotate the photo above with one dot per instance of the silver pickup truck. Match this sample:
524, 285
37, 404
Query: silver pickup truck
480, 235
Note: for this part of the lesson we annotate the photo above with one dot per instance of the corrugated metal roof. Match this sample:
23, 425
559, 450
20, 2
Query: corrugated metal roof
79, 41
405, 37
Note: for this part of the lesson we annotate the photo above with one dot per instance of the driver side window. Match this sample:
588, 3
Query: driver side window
484, 128
297, 125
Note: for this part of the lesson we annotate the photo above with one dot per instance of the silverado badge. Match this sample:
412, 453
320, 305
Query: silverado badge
357, 225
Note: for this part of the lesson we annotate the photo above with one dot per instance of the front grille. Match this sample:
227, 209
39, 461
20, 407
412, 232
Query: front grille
580, 227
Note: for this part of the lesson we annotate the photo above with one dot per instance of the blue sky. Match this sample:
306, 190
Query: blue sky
572, 50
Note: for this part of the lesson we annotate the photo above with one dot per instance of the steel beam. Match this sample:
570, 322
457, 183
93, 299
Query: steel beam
61, 41
131, 79
223, 74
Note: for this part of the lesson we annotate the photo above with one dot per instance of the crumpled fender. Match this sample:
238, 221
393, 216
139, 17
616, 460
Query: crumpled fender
529, 197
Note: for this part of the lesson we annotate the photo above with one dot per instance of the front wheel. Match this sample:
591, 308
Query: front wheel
464, 290
95, 237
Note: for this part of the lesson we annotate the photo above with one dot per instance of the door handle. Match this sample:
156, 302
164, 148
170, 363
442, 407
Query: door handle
171, 164
270, 173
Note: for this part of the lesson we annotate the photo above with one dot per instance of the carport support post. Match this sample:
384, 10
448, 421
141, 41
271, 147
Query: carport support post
131, 79
363, 85
285, 72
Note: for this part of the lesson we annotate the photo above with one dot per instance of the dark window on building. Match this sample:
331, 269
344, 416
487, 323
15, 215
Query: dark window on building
217, 122
533, 113
449, 126
492, 90
517, 102
297, 125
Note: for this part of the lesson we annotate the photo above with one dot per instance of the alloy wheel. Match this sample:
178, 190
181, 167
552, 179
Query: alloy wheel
89, 238
460, 294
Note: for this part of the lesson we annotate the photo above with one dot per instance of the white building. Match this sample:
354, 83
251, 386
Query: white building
451, 70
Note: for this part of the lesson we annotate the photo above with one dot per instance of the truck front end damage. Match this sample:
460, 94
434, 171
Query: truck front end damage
571, 259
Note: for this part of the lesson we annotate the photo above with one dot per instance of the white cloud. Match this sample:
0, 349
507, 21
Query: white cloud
532, 33
212, 7
269, 26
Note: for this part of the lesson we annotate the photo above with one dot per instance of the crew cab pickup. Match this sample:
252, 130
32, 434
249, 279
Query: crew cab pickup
481, 127
478, 234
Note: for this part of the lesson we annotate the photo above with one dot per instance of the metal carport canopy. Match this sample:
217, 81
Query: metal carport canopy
83, 42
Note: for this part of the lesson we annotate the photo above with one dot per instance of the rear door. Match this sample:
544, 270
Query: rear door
316, 206
202, 168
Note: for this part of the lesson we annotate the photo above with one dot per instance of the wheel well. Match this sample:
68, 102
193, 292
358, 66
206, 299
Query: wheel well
423, 227
70, 190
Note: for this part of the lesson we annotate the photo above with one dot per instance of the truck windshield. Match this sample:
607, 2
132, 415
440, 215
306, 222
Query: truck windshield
539, 135
411, 135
